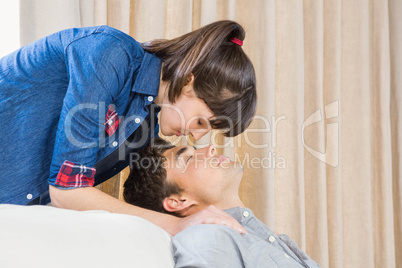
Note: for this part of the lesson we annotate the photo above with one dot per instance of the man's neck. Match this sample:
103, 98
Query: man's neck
229, 202
225, 203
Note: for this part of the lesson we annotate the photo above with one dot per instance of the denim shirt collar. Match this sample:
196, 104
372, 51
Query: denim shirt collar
148, 77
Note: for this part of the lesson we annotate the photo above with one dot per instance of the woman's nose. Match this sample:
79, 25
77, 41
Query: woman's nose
198, 133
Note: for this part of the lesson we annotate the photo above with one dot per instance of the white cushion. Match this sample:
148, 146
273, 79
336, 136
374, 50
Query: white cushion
44, 236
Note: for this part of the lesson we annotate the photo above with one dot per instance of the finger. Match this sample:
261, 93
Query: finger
240, 229
230, 222
213, 215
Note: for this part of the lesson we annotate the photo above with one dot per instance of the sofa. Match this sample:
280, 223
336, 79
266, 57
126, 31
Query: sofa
44, 236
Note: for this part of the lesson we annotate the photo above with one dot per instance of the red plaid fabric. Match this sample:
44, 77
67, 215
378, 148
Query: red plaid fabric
74, 175
112, 121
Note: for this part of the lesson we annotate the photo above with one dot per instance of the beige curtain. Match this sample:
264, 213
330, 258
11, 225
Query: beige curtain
322, 157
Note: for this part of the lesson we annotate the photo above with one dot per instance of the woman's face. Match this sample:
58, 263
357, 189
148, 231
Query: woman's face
189, 115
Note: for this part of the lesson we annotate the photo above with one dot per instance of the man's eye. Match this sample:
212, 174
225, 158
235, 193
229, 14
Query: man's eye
188, 159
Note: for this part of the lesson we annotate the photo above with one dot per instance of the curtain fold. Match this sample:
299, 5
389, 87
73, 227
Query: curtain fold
322, 156
257, 188
381, 167
314, 135
289, 104
147, 20
355, 134
118, 14
332, 94
395, 39
40, 18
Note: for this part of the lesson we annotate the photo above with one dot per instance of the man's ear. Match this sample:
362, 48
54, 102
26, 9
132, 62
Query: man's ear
179, 204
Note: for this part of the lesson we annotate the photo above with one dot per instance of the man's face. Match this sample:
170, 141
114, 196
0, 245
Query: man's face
203, 175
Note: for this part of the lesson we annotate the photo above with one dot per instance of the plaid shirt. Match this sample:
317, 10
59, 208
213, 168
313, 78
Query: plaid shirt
112, 121
72, 176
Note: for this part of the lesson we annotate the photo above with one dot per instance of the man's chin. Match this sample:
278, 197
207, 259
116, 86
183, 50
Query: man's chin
234, 167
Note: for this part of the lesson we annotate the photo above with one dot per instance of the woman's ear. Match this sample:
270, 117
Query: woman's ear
190, 79
188, 89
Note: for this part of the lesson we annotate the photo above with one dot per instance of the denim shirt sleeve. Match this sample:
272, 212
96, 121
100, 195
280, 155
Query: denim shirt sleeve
97, 65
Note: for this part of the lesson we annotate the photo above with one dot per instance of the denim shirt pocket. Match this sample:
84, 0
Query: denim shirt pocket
112, 120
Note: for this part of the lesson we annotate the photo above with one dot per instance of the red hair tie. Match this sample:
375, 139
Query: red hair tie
236, 41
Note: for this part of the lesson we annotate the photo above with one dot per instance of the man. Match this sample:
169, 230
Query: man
183, 181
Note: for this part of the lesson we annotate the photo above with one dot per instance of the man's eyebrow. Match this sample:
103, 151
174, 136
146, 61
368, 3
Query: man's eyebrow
183, 150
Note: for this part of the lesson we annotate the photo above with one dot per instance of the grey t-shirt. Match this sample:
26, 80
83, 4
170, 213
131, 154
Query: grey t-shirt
212, 245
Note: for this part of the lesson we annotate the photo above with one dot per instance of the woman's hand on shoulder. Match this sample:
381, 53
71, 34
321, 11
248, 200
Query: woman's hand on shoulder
210, 215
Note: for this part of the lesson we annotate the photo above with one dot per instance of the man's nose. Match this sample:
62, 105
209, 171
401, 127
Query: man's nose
209, 150
198, 133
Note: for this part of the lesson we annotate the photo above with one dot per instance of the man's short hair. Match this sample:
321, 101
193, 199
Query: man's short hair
147, 186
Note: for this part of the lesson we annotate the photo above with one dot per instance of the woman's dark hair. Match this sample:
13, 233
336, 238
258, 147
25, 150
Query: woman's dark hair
224, 76
147, 186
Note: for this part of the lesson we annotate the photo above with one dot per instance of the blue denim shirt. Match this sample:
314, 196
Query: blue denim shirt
54, 96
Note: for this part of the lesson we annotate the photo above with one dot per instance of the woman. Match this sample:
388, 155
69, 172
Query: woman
79, 102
